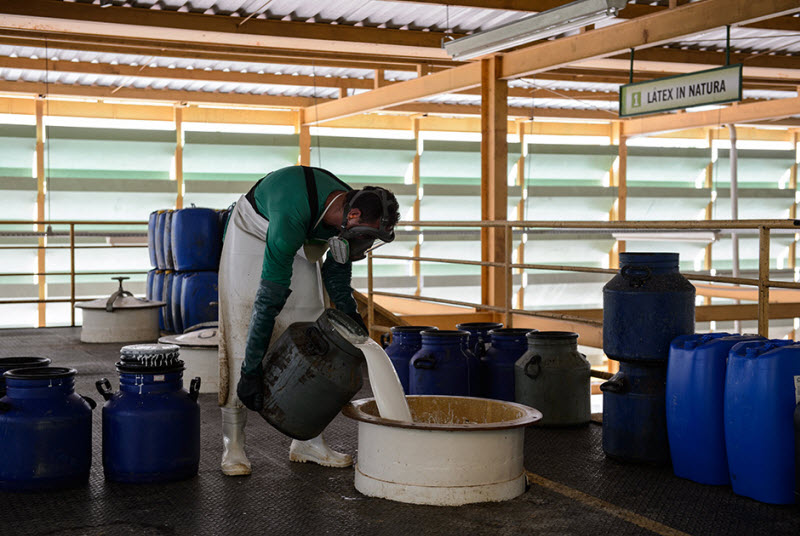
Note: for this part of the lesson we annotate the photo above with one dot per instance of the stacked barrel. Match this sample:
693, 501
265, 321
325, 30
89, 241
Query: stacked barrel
185, 247
645, 306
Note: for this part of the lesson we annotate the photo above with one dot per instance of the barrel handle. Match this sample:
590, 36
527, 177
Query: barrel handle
537, 361
636, 275
426, 362
104, 388
5, 406
194, 388
616, 384
385, 340
90, 401
480, 348
317, 340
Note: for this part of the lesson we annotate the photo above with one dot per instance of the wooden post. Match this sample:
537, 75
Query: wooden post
523, 153
763, 277
179, 155
415, 180
304, 159
40, 201
618, 175
494, 171
380, 81
509, 277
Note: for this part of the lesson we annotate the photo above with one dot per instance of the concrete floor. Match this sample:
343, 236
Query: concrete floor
574, 488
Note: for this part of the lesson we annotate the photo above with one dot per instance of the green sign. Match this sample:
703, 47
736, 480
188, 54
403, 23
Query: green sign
714, 86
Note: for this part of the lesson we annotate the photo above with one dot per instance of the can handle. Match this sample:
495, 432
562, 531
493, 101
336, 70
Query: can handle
537, 361
617, 384
480, 348
317, 340
385, 340
5, 406
636, 275
194, 388
104, 388
90, 401
426, 362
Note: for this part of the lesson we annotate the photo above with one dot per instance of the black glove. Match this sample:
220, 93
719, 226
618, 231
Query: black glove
358, 320
270, 299
250, 389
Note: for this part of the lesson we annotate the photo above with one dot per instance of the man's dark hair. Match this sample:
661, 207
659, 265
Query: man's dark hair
371, 207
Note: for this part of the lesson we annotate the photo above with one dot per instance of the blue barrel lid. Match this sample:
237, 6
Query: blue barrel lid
510, 332
40, 373
479, 326
412, 329
23, 362
534, 335
653, 260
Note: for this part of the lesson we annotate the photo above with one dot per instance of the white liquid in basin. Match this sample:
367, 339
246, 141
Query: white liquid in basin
386, 387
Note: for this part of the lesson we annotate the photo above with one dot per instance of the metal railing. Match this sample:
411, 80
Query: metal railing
763, 283
44, 232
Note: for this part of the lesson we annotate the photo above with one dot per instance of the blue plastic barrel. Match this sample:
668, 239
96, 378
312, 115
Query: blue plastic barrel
151, 238
148, 291
46, 430
199, 297
168, 253
645, 306
441, 366
158, 294
11, 363
634, 414
175, 301
196, 239
224, 216
151, 427
158, 240
479, 337
406, 341
166, 310
695, 421
760, 398
507, 346
797, 447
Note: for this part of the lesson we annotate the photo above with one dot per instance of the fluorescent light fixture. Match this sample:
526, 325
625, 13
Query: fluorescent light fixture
703, 237
538, 26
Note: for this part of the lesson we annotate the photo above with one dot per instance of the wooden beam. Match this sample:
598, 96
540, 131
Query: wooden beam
706, 313
162, 95
744, 113
460, 78
763, 277
590, 332
494, 180
514, 112
416, 180
645, 32
162, 25
117, 45
146, 71
638, 33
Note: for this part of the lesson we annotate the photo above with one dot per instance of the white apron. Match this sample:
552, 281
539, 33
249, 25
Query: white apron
239, 277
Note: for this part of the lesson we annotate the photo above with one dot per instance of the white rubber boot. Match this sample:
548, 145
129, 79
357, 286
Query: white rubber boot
317, 451
234, 459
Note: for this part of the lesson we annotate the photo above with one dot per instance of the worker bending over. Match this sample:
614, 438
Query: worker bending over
269, 278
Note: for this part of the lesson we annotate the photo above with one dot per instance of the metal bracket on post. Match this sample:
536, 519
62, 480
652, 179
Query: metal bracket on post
630, 76
728, 45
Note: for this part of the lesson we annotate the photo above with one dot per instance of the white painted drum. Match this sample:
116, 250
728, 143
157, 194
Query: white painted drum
131, 320
200, 356
470, 451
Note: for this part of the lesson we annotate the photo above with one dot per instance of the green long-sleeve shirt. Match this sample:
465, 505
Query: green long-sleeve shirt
282, 198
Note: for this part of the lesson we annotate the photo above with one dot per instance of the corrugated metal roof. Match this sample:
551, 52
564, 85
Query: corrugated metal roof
376, 13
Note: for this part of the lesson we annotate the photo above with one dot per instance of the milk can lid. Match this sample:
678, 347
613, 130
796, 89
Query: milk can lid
150, 355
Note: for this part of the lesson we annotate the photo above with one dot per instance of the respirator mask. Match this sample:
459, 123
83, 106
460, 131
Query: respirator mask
353, 244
